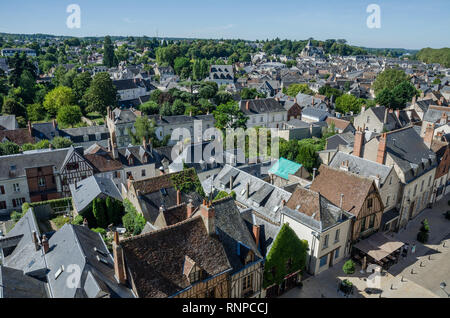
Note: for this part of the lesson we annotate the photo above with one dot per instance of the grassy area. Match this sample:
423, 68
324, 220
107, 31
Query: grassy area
96, 117
59, 222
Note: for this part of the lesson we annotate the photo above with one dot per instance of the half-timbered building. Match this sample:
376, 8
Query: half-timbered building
354, 194
74, 168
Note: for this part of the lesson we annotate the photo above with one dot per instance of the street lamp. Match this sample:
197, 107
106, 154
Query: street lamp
443, 286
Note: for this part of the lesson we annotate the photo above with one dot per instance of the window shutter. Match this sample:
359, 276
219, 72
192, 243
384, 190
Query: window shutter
2, 189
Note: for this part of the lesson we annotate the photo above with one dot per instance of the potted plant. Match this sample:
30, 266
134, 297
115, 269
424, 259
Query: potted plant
349, 267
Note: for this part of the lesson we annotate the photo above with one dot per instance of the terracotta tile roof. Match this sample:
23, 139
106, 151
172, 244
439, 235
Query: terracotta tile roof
338, 123
18, 136
156, 260
307, 201
175, 214
331, 183
103, 162
155, 184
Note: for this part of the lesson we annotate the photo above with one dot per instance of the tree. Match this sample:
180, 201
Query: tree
98, 208
287, 255
329, 91
57, 98
403, 93
8, 148
36, 112
69, 115
389, 79
348, 103
132, 220
294, 89
61, 142
229, 116
149, 108
178, 107
222, 98
114, 210
109, 58
251, 93
81, 84
182, 67
308, 157
13, 107
386, 98
100, 94
145, 128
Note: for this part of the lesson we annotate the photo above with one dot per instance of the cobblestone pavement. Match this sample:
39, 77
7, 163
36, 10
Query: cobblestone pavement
417, 276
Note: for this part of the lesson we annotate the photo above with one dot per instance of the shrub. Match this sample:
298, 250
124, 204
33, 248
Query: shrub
422, 237
16, 216
78, 220
98, 208
349, 267
425, 226
60, 221
132, 220
101, 231
25, 207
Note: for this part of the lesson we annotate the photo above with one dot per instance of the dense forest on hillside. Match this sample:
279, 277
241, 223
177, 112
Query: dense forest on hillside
441, 56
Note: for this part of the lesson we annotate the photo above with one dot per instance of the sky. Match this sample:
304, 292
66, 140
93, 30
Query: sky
410, 24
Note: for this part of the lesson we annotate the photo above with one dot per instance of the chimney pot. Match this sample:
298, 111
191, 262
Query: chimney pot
190, 209
45, 244
208, 215
178, 197
256, 234
119, 260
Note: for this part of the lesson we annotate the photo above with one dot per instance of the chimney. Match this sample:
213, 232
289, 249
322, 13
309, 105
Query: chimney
55, 125
377, 181
283, 203
207, 213
144, 143
429, 134
397, 112
50, 146
444, 118
344, 165
342, 201
35, 241
178, 197
439, 102
129, 182
386, 116
231, 182
256, 234
161, 171
30, 130
381, 156
190, 209
363, 108
85, 223
247, 105
119, 260
45, 244
359, 142
414, 100
247, 192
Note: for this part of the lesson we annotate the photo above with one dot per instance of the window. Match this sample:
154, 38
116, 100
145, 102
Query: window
2, 205
372, 221
18, 202
2, 189
116, 174
368, 119
325, 243
387, 201
415, 190
429, 181
247, 283
323, 261
421, 187
196, 276
143, 173
336, 238
363, 225
336, 253
390, 180
211, 293
41, 182
369, 203
16, 187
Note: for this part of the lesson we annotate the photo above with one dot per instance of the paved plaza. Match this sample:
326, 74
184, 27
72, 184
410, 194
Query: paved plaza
417, 276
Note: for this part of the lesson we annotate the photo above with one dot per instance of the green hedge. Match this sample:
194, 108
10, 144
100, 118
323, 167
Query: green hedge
57, 203
287, 255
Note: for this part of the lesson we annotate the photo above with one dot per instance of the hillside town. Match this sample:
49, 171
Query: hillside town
96, 182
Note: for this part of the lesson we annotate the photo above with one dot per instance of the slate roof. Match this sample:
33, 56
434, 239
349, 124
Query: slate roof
90, 188
233, 233
9, 122
156, 260
264, 198
409, 152
78, 245
124, 116
360, 166
261, 106
434, 114
313, 210
345, 139
45, 131
331, 183
316, 114
15, 284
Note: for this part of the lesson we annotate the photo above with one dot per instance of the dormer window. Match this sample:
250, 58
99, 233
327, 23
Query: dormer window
192, 271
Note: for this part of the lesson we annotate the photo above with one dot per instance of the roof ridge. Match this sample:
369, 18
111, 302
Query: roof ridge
350, 174
133, 238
